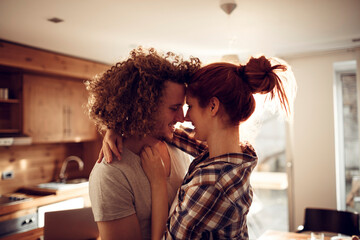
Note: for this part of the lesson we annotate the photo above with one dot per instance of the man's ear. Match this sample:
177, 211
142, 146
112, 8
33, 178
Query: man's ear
214, 106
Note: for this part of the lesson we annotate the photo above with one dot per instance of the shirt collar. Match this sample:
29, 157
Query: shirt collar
248, 155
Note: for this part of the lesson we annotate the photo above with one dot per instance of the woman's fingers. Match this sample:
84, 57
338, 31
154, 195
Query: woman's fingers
107, 152
112, 144
119, 146
152, 164
113, 148
100, 157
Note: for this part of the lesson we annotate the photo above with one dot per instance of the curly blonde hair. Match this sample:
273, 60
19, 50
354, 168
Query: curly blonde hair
126, 97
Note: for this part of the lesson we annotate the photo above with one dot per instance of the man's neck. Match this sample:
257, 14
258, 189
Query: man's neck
136, 144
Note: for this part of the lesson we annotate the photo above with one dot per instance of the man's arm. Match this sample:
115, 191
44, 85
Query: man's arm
127, 228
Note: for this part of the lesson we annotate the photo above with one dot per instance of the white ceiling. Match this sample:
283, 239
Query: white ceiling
107, 30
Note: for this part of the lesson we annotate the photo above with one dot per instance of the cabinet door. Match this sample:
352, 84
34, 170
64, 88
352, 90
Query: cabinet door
43, 108
78, 125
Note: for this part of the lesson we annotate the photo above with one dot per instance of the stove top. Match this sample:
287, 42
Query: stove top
9, 199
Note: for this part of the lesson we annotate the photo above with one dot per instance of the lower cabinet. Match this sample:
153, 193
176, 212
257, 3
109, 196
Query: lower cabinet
20, 224
29, 224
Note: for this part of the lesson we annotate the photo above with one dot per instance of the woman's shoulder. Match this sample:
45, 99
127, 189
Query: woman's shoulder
248, 149
223, 169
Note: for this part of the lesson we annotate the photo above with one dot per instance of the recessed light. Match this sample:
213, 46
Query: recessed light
55, 20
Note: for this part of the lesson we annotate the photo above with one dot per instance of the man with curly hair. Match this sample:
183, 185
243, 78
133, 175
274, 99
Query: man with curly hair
141, 99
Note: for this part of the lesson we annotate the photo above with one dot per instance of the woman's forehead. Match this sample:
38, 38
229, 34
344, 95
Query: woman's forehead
189, 98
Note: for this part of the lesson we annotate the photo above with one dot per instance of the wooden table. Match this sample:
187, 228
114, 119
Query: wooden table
277, 235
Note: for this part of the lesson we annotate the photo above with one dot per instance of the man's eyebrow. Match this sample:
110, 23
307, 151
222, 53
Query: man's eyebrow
177, 104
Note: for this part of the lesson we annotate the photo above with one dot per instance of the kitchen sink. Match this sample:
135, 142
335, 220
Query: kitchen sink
69, 184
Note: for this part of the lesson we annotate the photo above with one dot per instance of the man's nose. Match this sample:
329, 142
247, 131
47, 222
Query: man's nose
180, 116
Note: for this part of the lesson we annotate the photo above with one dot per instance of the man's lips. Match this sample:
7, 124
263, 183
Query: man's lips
172, 127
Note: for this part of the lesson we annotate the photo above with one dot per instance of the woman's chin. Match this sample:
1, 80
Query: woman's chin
198, 136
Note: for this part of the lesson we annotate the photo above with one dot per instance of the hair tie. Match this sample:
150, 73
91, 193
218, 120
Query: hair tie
241, 72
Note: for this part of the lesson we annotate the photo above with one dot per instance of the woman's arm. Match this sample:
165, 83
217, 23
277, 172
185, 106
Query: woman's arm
154, 169
185, 140
112, 144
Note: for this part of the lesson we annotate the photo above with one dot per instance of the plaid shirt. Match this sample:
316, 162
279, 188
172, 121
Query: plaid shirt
215, 196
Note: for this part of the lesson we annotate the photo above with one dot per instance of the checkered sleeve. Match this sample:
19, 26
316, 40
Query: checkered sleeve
203, 210
185, 140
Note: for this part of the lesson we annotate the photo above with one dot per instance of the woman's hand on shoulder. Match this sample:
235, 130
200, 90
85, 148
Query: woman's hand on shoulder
112, 144
153, 165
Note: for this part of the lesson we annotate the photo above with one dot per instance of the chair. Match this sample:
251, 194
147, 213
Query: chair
332, 221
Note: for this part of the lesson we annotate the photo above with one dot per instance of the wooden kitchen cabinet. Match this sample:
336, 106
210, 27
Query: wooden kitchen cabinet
54, 110
79, 126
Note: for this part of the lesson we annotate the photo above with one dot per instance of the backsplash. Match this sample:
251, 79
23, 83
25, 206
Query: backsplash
41, 163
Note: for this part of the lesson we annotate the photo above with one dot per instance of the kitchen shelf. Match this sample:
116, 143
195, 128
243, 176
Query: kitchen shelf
9, 131
11, 107
9, 101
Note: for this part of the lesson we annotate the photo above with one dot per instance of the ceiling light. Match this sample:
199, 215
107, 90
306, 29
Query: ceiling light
55, 20
228, 6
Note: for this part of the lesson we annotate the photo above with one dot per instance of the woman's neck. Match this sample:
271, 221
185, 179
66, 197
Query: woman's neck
224, 140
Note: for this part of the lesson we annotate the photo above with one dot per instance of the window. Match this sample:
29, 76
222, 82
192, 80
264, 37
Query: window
347, 137
269, 179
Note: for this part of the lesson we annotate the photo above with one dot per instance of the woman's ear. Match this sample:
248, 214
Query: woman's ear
214, 106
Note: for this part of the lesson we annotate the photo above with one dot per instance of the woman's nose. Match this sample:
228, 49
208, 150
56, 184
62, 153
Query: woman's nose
187, 118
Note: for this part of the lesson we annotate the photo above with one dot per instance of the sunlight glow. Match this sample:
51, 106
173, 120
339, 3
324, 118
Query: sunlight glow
23, 163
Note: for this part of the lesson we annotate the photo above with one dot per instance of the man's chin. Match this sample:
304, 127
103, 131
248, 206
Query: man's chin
165, 137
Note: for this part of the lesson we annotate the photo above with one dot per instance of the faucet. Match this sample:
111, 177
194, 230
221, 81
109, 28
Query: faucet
62, 176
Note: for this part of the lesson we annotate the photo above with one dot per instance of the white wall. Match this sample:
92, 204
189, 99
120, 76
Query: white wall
314, 182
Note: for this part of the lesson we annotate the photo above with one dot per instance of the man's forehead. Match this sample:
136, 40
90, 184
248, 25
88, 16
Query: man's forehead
174, 92
173, 86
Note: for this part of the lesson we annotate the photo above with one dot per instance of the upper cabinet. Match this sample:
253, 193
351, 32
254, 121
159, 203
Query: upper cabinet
43, 116
77, 123
47, 97
54, 110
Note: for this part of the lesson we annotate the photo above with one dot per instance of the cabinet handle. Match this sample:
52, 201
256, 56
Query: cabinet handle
69, 120
64, 121
27, 221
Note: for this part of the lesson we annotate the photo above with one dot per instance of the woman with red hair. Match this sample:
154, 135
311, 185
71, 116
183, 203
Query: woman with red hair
216, 195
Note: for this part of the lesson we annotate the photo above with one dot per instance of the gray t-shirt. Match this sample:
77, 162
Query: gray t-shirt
121, 188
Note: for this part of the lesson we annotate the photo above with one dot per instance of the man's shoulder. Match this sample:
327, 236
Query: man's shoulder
128, 164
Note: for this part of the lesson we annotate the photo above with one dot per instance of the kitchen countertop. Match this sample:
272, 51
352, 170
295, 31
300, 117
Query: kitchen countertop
37, 199
29, 235
40, 199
